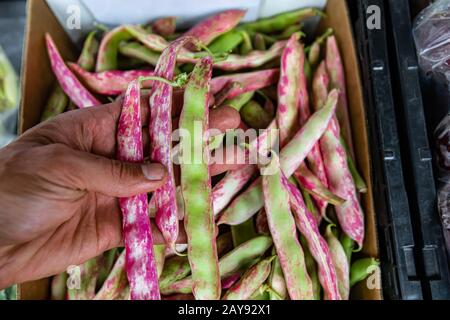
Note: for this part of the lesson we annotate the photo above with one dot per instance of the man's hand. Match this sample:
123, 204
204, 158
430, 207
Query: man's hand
59, 189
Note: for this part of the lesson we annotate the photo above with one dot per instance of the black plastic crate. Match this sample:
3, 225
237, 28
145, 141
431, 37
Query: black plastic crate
396, 237
431, 262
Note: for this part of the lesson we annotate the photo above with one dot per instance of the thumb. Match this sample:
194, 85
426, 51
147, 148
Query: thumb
115, 178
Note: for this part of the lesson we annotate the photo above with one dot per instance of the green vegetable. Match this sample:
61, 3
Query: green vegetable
139, 51
255, 116
226, 42
196, 186
282, 21
246, 45
361, 269
56, 103
9, 85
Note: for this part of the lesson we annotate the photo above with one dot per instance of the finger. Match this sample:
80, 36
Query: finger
178, 100
86, 171
224, 118
221, 118
158, 238
90, 129
227, 158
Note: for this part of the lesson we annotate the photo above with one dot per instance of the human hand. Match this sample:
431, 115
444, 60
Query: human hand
59, 189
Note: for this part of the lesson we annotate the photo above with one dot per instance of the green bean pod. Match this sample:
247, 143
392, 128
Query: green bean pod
115, 282
361, 269
276, 281
56, 103
311, 267
239, 101
289, 31
310, 205
89, 51
177, 267
292, 155
255, 116
340, 263
109, 257
246, 45
236, 103
348, 244
88, 281
9, 83
232, 262
139, 51
196, 186
282, 21
159, 252
259, 42
360, 184
59, 286
261, 294
284, 233
243, 232
226, 42
109, 48
250, 281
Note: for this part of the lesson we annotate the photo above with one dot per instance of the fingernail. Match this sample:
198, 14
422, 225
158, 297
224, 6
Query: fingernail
153, 171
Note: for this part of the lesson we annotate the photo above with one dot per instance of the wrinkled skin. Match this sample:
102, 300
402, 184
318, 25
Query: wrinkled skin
58, 192
55, 212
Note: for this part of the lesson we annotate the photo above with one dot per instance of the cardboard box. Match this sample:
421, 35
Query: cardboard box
37, 79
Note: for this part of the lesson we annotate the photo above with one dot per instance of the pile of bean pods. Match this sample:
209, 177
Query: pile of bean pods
282, 228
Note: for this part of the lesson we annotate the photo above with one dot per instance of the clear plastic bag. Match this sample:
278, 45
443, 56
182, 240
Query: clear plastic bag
432, 39
442, 147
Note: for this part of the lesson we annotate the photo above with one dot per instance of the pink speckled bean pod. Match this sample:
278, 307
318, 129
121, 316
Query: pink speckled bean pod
250, 81
165, 26
340, 262
157, 43
88, 281
232, 262
320, 91
314, 158
109, 48
252, 60
223, 94
350, 214
181, 296
195, 181
161, 147
235, 180
212, 27
288, 90
112, 82
284, 233
317, 245
151, 40
116, 281
250, 281
291, 157
261, 225
314, 186
67, 80
139, 262
230, 185
229, 281
336, 71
